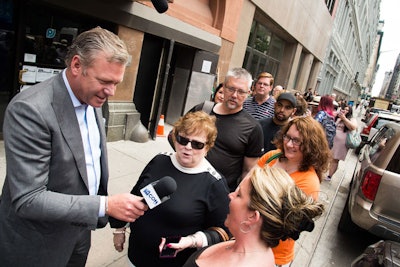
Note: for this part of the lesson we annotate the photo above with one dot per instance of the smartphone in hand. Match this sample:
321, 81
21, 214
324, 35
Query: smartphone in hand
167, 252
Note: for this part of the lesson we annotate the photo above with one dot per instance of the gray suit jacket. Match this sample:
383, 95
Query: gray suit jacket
45, 199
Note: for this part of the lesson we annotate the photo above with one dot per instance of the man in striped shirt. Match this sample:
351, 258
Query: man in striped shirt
261, 104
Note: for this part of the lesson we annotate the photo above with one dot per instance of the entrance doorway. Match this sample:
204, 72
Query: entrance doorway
172, 78
7, 55
34, 37
163, 78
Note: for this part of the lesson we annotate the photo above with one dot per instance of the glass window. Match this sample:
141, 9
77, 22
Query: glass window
49, 30
264, 51
380, 122
263, 39
379, 143
394, 165
276, 48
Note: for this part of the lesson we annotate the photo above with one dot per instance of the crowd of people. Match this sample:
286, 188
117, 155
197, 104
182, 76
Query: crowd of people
248, 171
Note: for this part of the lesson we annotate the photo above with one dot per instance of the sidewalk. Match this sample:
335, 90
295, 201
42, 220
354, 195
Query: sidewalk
127, 160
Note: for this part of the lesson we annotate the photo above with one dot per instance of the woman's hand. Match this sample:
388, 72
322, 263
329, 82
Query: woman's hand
342, 115
349, 124
184, 242
119, 239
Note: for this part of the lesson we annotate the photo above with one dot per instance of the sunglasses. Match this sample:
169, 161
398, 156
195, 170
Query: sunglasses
184, 141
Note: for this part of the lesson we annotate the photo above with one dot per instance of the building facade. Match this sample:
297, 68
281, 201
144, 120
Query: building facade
393, 88
177, 56
385, 84
347, 65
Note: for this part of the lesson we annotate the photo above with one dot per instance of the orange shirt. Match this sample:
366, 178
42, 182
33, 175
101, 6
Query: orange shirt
309, 183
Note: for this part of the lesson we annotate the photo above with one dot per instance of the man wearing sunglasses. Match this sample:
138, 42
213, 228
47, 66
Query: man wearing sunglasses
239, 141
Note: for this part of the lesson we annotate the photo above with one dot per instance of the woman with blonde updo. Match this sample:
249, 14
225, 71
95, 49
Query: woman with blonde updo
266, 207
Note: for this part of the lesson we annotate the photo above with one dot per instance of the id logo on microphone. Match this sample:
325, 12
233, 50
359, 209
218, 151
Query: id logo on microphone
150, 196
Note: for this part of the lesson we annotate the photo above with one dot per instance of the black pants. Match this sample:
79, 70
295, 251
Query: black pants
81, 250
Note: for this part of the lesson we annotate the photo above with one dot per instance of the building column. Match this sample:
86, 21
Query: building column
122, 118
295, 66
315, 69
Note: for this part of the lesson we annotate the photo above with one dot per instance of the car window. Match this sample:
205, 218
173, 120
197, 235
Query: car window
380, 122
378, 145
394, 165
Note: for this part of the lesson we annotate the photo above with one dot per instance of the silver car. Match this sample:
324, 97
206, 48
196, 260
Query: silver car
373, 203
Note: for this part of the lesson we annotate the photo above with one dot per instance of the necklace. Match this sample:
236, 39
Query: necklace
244, 252
290, 168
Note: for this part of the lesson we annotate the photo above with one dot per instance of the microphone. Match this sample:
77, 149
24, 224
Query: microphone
158, 192
160, 5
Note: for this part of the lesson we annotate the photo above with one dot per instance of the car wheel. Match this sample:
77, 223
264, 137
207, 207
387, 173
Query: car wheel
346, 225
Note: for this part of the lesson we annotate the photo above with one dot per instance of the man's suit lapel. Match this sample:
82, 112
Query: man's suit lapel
65, 112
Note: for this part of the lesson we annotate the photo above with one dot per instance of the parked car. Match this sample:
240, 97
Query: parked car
383, 253
373, 124
373, 201
395, 109
376, 121
370, 111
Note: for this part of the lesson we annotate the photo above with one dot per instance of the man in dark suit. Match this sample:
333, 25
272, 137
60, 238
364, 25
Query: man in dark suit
55, 190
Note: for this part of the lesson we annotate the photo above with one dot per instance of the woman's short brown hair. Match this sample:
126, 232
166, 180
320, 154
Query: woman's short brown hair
195, 123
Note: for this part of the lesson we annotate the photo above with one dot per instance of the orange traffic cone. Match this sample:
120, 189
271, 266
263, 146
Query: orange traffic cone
160, 127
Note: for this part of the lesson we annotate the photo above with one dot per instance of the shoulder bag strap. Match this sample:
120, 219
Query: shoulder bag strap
277, 155
208, 106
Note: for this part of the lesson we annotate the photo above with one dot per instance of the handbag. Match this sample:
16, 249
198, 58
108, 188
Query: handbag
353, 139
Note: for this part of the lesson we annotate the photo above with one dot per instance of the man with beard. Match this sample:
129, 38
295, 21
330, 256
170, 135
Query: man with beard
285, 107
239, 141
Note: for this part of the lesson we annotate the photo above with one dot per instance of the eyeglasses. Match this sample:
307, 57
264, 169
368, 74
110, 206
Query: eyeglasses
264, 84
295, 141
184, 141
233, 90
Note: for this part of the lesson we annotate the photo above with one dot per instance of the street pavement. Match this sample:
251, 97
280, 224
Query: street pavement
127, 159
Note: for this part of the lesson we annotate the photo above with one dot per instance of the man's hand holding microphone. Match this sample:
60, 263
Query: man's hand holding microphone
128, 207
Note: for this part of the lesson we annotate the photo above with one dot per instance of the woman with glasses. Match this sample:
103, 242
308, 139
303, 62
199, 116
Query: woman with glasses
303, 152
195, 212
